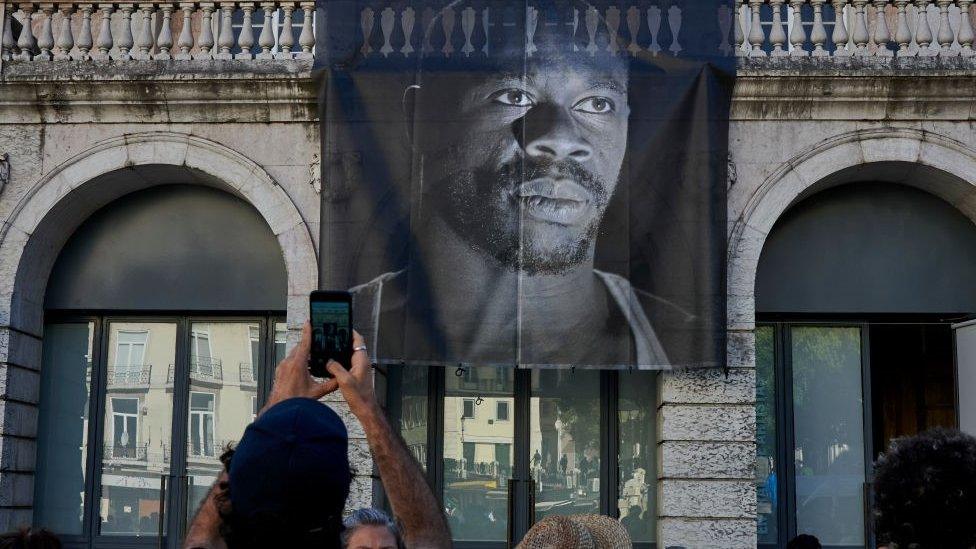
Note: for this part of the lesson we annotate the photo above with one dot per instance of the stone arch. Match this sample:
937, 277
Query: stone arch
62, 199
940, 165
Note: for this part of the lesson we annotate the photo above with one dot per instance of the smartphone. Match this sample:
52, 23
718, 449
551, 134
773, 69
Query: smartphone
331, 318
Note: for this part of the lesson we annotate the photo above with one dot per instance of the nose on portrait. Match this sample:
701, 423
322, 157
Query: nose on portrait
553, 134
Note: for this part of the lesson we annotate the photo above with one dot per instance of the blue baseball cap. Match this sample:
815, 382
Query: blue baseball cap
291, 468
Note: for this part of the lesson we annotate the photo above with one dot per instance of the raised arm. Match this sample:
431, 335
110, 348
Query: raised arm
414, 504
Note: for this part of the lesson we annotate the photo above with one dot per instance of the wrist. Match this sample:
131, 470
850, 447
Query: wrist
365, 409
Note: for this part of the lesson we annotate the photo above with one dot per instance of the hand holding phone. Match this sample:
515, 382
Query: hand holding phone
331, 320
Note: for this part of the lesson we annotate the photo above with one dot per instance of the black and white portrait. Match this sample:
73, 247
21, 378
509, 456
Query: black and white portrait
534, 188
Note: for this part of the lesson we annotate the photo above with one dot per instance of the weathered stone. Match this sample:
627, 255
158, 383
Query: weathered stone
705, 460
19, 384
707, 422
16, 489
12, 519
707, 498
17, 454
18, 419
712, 385
707, 533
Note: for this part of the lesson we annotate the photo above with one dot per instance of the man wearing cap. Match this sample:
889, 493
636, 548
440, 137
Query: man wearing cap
287, 481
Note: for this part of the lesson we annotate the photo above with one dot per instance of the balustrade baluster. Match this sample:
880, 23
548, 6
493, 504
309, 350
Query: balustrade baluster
225, 40
818, 35
740, 35
756, 35
125, 42
266, 40
26, 41
861, 35
287, 38
903, 35
145, 41
205, 41
945, 36
84, 42
45, 42
965, 29
105, 42
777, 36
185, 41
923, 33
881, 33
798, 34
246, 38
165, 39
839, 35
65, 41
307, 38
8, 45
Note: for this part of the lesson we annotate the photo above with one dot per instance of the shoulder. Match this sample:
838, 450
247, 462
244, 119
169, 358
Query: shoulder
655, 307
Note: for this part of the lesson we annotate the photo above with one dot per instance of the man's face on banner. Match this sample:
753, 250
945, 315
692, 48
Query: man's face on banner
522, 165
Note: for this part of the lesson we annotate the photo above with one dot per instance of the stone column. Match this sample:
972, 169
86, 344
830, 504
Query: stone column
706, 453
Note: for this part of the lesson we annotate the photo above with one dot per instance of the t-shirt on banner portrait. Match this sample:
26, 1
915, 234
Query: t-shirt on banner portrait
533, 183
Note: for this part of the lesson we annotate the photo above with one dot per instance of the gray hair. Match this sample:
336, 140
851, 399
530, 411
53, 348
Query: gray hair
370, 517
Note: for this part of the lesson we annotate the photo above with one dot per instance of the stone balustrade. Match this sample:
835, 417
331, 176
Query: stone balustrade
103, 32
854, 28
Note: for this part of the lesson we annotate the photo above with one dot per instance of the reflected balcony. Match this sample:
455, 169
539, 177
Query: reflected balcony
132, 376
131, 452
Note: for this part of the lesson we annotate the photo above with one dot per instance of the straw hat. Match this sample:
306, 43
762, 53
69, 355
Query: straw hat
576, 532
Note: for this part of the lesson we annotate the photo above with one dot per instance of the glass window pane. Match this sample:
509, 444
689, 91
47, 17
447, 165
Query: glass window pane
138, 424
412, 384
477, 453
829, 434
636, 461
221, 403
280, 341
766, 472
564, 441
62, 433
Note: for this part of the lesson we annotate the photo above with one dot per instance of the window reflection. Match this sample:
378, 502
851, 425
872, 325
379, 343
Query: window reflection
565, 441
413, 383
62, 432
766, 472
829, 434
222, 401
636, 458
138, 420
478, 452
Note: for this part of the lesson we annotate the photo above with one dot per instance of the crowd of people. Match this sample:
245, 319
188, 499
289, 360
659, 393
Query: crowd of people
286, 482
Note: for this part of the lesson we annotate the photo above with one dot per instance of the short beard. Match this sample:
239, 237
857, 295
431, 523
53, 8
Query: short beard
468, 201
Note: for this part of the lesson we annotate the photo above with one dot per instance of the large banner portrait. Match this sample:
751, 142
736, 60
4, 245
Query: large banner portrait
532, 183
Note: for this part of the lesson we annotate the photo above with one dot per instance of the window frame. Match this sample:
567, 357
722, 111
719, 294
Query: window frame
521, 517
176, 484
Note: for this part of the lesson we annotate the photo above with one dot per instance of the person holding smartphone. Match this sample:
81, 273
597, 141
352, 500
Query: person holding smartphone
414, 505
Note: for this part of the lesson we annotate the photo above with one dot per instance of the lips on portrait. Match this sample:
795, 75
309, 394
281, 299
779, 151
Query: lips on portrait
534, 215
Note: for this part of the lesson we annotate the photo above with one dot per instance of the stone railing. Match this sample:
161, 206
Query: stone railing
103, 32
854, 28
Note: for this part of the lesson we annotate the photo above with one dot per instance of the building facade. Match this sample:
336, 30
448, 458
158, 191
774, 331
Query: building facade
160, 194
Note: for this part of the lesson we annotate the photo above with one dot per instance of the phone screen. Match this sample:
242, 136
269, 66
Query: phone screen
331, 333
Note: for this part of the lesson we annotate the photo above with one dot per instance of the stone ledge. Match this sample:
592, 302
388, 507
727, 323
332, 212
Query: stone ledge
715, 423
707, 533
707, 499
18, 70
711, 460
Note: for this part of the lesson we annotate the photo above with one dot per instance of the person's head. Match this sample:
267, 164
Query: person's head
804, 541
520, 155
288, 479
29, 538
370, 529
925, 491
